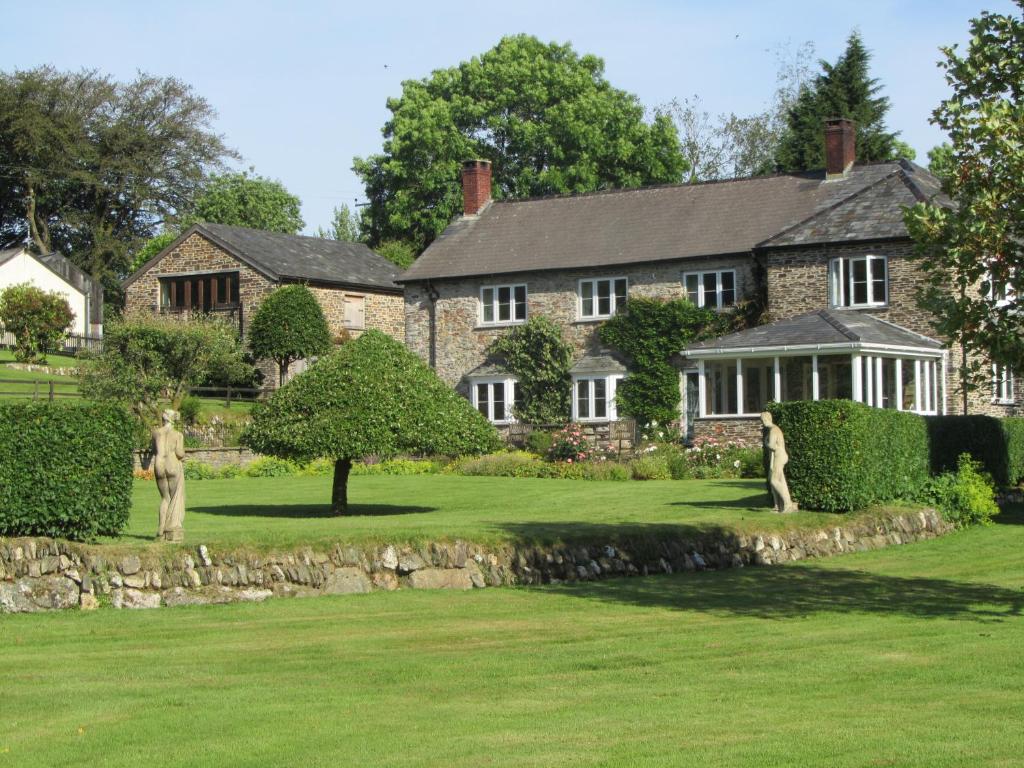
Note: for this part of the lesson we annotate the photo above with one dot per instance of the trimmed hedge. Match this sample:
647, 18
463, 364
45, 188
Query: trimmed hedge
845, 455
997, 444
65, 469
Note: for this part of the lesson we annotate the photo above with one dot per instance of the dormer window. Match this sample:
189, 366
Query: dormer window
858, 281
502, 304
602, 298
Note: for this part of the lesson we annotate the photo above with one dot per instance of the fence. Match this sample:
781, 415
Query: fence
72, 344
38, 389
229, 394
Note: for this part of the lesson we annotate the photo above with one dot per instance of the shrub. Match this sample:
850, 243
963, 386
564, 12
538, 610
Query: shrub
271, 466
539, 442
510, 464
965, 497
570, 444
317, 468
396, 467
198, 470
65, 469
845, 455
604, 470
709, 459
38, 319
230, 471
540, 358
998, 444
653, 466
189, 409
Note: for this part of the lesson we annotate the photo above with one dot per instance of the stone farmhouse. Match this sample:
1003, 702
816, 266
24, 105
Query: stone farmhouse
826, 251
214, 269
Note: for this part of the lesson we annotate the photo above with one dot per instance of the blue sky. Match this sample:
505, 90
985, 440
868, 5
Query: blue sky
300, 86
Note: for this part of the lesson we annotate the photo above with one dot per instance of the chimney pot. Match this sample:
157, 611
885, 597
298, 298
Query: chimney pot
840, 147
476, 186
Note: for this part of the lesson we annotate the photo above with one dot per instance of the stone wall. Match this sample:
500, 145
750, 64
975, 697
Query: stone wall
462, 340
215, 457
381, 311
43, 574
797, 281
744, 430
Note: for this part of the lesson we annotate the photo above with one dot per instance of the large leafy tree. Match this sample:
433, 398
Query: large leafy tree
972, 253
93, 167
372, 397
844, 89
247, 199
542, 113
288, 326
345, 226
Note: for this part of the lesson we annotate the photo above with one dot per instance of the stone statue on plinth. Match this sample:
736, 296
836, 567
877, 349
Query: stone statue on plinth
775, 446
168, 452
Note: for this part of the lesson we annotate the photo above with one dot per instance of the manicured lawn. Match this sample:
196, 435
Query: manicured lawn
55, 361
909, 656
287, 511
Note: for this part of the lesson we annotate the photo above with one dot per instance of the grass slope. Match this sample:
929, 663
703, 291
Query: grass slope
289, 511
909, 656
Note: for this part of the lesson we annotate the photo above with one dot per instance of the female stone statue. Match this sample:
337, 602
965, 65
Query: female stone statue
775, 445
168, 451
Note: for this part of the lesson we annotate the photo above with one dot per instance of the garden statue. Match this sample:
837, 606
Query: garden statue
775, 445
168, 451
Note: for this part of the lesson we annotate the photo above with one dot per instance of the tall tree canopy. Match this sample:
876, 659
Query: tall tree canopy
92, 167
543, 114
370, 397
973, 254
345, 226
246, 199
844, 89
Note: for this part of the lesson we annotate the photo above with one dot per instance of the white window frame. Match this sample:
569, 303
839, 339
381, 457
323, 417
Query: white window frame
1002, 385
509, 383
611, 384
612, 302
1002, 295
839, 293
513, 320
702, 297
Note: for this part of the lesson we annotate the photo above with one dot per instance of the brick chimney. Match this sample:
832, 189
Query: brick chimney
476, 186
840, 147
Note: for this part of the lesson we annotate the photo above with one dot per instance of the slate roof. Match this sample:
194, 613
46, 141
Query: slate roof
601, 361
488, 368
824, 327
295, 257
667, 222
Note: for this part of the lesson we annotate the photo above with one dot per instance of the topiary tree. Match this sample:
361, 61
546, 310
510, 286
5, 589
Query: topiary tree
288, 326
371, 397
37, 318
540, 359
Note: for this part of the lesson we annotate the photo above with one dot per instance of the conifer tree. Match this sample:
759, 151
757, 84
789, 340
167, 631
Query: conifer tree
844, 89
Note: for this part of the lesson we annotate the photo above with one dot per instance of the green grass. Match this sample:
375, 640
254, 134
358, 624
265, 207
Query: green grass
909, 656
290, 511
54, 361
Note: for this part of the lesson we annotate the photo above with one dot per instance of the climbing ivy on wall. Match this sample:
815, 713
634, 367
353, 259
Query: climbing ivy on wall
537, 355
649, 333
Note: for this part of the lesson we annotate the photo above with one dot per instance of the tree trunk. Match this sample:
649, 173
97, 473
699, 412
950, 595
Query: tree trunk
282, 371
339, 491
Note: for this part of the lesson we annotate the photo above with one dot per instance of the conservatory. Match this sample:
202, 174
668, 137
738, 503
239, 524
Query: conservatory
817, 356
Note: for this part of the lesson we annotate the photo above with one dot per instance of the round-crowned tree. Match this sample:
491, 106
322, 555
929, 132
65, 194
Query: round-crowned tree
371, 397
288, 326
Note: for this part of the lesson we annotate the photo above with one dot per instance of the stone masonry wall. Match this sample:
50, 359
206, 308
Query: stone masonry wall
43, 574
798, 283
214, 457
462, 341
382, 311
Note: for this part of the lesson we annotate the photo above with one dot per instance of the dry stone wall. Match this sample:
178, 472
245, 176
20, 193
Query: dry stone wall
43, 574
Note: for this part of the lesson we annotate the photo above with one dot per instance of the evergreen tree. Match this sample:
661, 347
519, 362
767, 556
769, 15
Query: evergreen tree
844, 89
